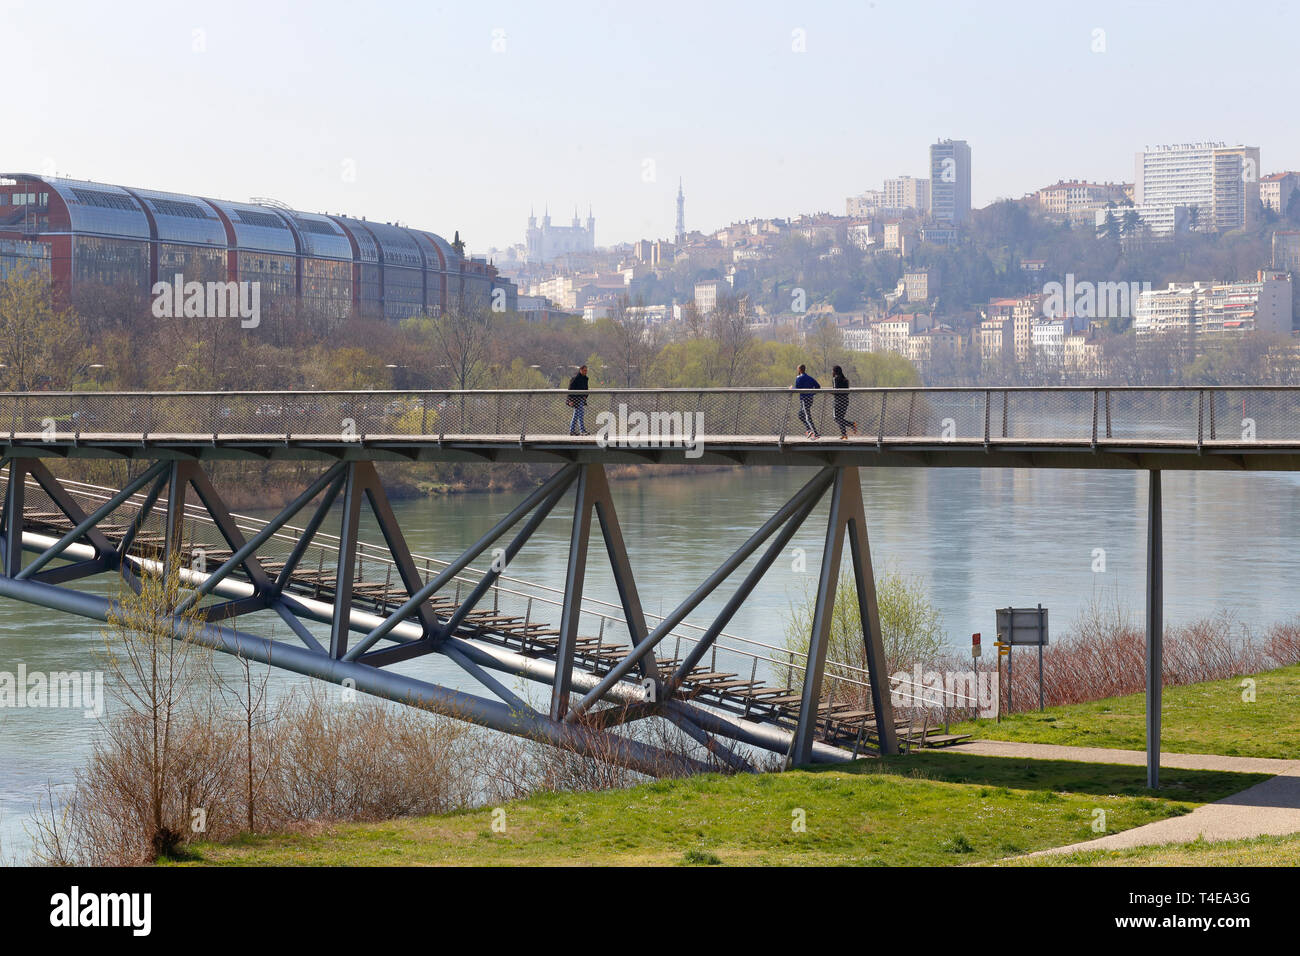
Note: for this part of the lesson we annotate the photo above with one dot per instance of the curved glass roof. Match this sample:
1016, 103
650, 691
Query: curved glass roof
368, 248
433, 246
322, 237
397, 246
258, 228
117, 212
184, 219
100, 210
394, 245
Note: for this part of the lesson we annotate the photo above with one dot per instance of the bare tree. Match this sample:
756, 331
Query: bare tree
825, 344
631, 344
693, 320
463, 337
249, 693
733, 340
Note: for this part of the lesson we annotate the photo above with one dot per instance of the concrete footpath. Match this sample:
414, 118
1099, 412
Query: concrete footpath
1268, 808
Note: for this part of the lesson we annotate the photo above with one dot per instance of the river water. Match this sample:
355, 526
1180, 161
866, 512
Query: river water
980, 539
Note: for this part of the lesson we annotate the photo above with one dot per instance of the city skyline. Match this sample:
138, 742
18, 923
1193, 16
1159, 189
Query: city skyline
764, 109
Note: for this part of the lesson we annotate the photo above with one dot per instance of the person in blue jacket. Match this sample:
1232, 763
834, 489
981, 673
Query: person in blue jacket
802, 381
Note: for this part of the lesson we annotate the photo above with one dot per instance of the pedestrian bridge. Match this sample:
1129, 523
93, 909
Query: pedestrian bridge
1232, 428
606, 667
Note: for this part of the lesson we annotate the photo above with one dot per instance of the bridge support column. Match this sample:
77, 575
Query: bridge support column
345, 570
593, 494
178, 480
1155, 626
616, 548
361, 482
13, 517
848, 516
574, 577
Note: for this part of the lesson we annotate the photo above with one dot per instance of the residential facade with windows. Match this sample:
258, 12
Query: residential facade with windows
905, 192
1215, 308
1217, 185
708, 293
1276, 189
1066, 198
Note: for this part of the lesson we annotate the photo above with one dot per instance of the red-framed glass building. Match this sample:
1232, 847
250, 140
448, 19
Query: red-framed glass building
94, 233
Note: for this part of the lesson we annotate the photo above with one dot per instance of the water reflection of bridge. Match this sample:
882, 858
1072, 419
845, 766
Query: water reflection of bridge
606, 665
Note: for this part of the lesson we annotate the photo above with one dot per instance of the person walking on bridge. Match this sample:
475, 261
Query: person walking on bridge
840, 382
805, 381
577, 400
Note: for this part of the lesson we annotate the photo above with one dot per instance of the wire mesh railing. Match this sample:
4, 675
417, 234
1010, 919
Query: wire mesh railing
1218, 414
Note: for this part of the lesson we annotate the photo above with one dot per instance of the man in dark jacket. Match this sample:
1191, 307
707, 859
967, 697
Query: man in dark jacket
577, 400
804, 380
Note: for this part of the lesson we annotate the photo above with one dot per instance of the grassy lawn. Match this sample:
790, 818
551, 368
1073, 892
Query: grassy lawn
1260, 851
927, 809
1208, 718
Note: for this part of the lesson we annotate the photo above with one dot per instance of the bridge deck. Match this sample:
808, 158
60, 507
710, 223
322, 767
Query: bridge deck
917, 452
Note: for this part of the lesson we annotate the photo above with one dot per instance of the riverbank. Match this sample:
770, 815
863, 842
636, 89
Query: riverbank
927, 809
1256, 715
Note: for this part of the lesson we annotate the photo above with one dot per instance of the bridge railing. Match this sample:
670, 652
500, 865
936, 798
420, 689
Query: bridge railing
1220, 414
532, 601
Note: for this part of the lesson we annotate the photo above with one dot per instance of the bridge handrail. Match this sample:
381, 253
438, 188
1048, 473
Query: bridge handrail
1092, 415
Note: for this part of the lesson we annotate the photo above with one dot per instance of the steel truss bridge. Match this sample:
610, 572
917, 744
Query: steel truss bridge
384, 605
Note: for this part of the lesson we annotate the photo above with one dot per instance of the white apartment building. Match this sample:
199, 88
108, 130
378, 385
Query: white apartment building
1048, 338
651, 314
1166, 310
1083, 352
1220, 182
860, 235
568, 292
708, 293
1260, 306
865, 205
927, 345
893, 334
860, 339
897, 235
1275, 190
905, 192
1214, 308
994, 337
1064, 198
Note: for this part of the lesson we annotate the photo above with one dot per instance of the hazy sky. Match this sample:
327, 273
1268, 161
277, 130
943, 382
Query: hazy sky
405, 111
